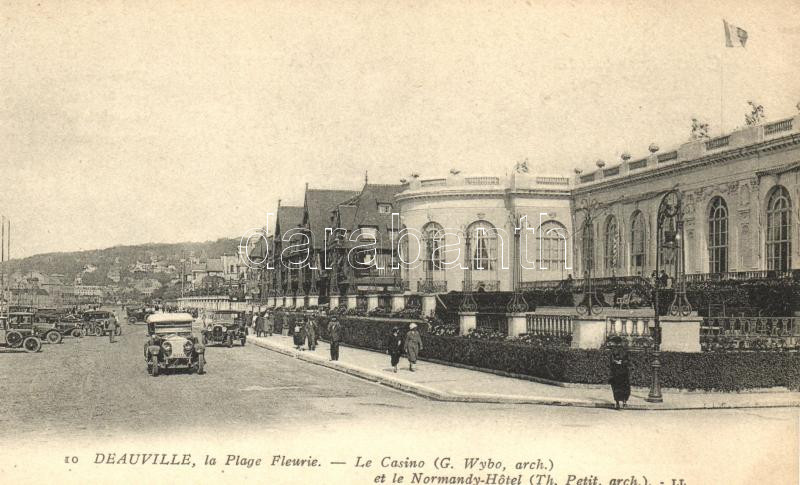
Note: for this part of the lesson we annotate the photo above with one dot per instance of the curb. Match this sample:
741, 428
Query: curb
437, 395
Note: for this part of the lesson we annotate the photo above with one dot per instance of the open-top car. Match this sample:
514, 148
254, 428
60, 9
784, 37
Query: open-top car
171, 344
18, 337
97, 322
225, 327
67, 324
27, 321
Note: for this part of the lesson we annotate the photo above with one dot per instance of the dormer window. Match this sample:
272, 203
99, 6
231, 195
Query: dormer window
384, 208
369, 232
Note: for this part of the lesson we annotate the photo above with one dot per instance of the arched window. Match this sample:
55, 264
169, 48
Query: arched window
484, 246
638, 246
779, 230
718, 235
611, 244
552, 240
434, 246
587, 246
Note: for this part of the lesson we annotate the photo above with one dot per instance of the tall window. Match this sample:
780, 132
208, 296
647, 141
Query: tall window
553, 250
718, 236
434, 246
779, 230
587, 240
484, 246
638, 246
612, 244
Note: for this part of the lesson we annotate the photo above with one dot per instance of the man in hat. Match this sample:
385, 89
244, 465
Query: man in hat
335, 334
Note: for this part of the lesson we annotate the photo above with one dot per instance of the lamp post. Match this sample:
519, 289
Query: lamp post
669, 237
590, 304
468, 304
517, 303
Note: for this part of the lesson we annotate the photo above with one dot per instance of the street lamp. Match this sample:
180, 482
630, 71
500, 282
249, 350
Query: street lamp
590, 304
669, 237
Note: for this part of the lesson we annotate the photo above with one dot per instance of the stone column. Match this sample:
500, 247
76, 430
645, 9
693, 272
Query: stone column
313, 299
428, 305
680, 334
467, 321
334, 302
517, 324
351, 301
300, 301
588, 332
372, 302
398, 302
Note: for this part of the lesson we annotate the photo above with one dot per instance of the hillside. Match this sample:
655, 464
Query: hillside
120, 258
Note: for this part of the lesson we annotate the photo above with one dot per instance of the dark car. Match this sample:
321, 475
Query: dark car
28, 322
97, 322
225, 327
139, 314
67, 324
18, 337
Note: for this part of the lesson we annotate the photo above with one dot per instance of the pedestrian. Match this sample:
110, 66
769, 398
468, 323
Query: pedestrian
298, 336
311, 333
335, 335
259, 325
620, 373
413, 344
394, 347
112, 330
269, 319
254, 321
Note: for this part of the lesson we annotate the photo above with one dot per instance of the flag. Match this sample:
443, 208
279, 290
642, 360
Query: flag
734, 36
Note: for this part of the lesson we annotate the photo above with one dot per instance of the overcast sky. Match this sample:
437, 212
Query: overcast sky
132, 122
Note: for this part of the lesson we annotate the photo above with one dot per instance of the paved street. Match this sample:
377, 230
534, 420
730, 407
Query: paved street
90, 392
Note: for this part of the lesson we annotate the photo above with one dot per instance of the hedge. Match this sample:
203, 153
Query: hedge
707, 371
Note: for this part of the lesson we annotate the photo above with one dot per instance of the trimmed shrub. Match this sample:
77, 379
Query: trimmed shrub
707, 371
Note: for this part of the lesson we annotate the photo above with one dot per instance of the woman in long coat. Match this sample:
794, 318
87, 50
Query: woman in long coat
620, 373
413, 345
394, 347
298, 335
311, 333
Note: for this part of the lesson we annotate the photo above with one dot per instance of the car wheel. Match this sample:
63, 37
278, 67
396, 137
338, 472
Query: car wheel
131, 319
154, 365
201, 363
14, 339
77, 333
54, 337
230, 341
32, 344
243, 340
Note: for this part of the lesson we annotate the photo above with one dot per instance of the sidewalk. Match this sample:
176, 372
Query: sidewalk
447, 383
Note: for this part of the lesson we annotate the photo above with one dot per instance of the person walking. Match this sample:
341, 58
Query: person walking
620, 373
394, 347
335, 335
413, 344
269, 319
112, 330
259, 325
298, 336
311, 333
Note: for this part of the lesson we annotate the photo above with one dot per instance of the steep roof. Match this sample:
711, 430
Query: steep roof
362, 210
318, 205
289, 217
214, 265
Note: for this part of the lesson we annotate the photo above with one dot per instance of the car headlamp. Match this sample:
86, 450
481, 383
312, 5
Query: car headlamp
187, 347
167, 349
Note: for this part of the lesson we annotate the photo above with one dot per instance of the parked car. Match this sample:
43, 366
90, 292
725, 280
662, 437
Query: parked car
18, 337
96, 322
67, 324
171, 344
139, 314
225, 327
45, 331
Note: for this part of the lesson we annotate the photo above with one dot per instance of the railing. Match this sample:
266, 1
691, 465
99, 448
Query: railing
741, 275
482, 180
778, 126
494, 321
432, 286
635, 331
610, 172
557, 325
750, 333
718, 142
637, 164
587, 178
433, 182
552, 180
482, 285
666, 157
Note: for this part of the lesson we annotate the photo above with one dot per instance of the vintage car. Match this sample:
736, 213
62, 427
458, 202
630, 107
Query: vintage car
18, 337
27, 321
170, 344
139, 314
97, 322
225, 327
67, 324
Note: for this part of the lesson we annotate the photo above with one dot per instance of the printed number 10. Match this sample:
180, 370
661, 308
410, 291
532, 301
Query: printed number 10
70, 459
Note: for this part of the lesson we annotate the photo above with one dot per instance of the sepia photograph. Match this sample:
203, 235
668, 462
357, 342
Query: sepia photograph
523, 242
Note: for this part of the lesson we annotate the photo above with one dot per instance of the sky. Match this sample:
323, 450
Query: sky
167, 121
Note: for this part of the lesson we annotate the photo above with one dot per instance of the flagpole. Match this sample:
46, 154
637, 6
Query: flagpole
721, 93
